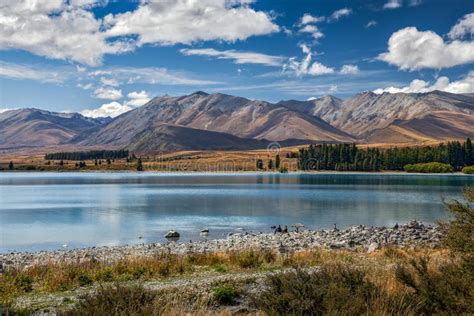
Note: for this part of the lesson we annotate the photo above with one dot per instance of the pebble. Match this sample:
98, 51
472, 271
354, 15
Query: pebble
413, 234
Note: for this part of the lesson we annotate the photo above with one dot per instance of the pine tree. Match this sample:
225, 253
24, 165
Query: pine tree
469, 159
259, 164
11, 166
277, 162
139, 164
270, 164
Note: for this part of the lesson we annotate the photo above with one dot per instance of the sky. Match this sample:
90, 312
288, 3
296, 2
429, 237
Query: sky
103, 58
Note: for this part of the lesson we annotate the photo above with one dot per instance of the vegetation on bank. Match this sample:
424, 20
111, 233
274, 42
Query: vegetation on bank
468, 170
349, 157
429, 167
88, 155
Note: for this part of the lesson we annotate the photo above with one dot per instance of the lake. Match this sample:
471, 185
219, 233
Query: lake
47, 210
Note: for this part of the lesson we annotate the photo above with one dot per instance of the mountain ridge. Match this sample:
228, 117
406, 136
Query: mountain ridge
364, 117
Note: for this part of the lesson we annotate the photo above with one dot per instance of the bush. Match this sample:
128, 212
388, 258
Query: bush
224, 294
85, 280
330, 290
430, 167
24, 282
249, 259
468, 170
447, 290
116, 300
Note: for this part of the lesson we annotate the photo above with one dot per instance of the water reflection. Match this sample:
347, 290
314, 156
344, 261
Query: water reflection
46, 210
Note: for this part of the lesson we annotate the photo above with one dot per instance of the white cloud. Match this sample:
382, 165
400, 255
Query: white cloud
465, 85
111, 109
5, 109
308, 18
410, 49
109, 82
150, 75
414, 3
393, 4
86, 86
313, 30
238, 57
68, 30
336, 15
349, 70
108, 93
465, 26
55, 30
307, 66
371, 23
138, 98
28, 72
181, 21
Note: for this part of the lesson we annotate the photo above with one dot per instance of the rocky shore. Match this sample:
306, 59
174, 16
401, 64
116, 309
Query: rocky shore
410, 235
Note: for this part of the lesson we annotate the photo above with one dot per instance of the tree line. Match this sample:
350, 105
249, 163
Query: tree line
349, 157
88, 155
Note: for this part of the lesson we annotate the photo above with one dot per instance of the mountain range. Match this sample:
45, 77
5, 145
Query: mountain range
202, 121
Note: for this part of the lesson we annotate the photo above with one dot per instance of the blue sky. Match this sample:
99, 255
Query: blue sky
106, 57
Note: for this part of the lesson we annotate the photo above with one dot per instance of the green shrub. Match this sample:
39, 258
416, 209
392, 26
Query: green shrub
430, 167
221, 268
224, 294
105, 275
468, 170
85, 280
24, 282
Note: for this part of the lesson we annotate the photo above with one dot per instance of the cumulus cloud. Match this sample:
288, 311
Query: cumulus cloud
55, 30
308, 18
465, 26
307, 66
410, 49
181, 21
113, 109
138, 98
236, 56
108, 93
465, 85
68, 30
349, 70
313, 30
392, 4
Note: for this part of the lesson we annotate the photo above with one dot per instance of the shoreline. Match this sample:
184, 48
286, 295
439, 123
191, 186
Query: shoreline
410, 235
187, 172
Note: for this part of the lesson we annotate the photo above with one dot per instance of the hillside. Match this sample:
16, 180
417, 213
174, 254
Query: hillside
34, 127
202, 121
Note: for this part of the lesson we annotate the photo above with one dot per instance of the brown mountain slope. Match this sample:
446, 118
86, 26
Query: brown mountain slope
34, 128
219, 113
436, 126
168, 138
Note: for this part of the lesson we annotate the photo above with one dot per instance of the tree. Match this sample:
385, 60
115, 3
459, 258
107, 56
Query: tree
469, 160
61, 163
139, 164
11, 166
259, 164
277, 162
270, 164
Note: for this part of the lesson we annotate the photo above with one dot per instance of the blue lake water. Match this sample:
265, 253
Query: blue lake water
46, 210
